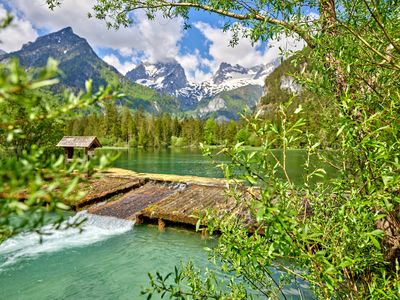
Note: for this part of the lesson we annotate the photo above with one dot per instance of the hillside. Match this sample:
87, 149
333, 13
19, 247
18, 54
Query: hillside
281, 86
79, 62
228, 105
232, 81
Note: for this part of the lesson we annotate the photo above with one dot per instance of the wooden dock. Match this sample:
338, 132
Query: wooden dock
162, 199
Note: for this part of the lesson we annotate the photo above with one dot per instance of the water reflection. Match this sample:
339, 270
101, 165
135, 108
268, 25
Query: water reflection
192, 162
167, 161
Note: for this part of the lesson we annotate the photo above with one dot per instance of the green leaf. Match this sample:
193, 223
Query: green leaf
375, 242
298, 109
198, 223
62, 206
251, 179
340, 130
386, 180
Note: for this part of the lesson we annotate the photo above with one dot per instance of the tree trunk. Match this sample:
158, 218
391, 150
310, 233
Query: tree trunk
329, 28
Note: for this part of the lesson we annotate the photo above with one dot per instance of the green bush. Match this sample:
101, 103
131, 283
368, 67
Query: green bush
32, 173
177, 142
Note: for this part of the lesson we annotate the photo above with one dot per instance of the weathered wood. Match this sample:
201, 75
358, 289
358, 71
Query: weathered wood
105, 188
168, 178
128, 205
88, 143
172, 199
161, 224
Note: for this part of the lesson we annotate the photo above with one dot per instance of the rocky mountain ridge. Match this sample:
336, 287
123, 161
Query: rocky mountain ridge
170, 78
159, 87
166, 77
77, 59
78, 63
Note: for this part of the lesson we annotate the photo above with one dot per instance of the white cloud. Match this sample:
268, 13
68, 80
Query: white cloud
126, 52
151, 40
18, 33
123, 68
245, 53
158, 38
281, 46
200, 76
192, 64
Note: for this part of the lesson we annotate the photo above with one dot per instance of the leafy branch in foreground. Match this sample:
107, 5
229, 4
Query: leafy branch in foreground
34, 182
189, 283
321, 234
339, 236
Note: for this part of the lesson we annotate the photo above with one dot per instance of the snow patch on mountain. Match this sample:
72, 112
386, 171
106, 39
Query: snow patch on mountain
290, 84
170, 78
164, 77
214, 105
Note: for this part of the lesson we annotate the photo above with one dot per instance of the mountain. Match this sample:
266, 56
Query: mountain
228, 105
165, 77
227, 72
170, 78
158, 87
78, 63
2, 52
280, 86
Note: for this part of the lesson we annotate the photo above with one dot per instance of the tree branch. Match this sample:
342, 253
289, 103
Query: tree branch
251, 15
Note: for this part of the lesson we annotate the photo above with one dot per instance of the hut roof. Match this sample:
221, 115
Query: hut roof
79, 142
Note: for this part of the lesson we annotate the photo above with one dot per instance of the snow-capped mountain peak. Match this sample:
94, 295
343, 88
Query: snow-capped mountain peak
226, 72
170, 78
166, 77
151, 70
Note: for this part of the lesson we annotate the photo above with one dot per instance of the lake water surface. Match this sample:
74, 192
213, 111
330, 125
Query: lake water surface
193, 162
166, 161
110, 259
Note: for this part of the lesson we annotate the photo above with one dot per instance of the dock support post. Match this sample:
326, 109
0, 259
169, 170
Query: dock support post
138, 220
161, 224
204, 232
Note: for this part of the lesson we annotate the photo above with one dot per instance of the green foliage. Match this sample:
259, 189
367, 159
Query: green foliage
317, 108
120, 127
201, 287
325, 228
236, 102
177, 142
210, 131
33, 180
243, 135
342, 235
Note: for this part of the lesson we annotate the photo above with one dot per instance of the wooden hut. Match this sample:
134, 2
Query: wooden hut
69, 143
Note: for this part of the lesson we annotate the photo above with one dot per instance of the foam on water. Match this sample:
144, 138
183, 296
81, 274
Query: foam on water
94, 229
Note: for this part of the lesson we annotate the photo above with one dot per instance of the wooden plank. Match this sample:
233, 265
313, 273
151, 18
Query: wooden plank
105, 188
131, 203
167, 202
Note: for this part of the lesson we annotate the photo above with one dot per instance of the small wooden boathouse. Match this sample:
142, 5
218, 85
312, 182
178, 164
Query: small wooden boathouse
69, 143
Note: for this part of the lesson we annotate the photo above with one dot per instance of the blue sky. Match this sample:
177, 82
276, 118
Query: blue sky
200, 49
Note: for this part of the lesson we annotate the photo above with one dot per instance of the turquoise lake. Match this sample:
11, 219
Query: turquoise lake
111, 258
193, 162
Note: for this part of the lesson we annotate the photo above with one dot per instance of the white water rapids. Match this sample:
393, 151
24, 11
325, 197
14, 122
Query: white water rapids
94, 229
